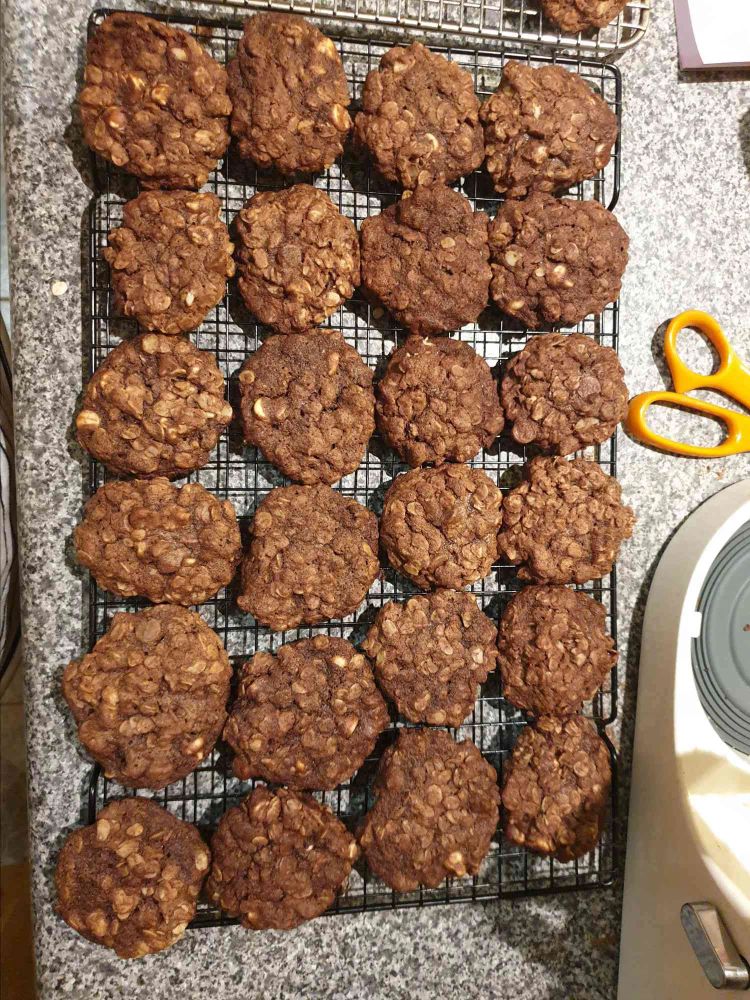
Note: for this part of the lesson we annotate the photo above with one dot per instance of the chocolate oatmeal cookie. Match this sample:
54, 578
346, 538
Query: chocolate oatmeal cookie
578, 15
545, 129
555, 260
431, 653
130, 881
150, 699
420, 118
306, 717
298, 257
280, 858
154, 102
313, 556
170, 259
289, 95
556, 788
435, 813
426, 258
555, 652
565, 522
439, 525
177, 545
437, 402
564, 392
154, 407
307, 403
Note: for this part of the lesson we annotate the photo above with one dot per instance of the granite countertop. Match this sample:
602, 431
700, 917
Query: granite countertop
685, 192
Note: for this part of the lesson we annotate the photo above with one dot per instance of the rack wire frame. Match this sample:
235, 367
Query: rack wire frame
520, 22
244, 477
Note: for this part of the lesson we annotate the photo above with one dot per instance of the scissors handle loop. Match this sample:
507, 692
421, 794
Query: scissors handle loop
731, 377
736, 440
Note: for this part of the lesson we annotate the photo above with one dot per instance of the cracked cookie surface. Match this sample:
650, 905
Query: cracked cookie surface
578, 15
150, 698
154, 102
555, 652
307, 403
555, 260
431, 653
298, 257
289, 95
420, 118
435, 812
426, 258
148, 538
565, 522
131, 880
306, 717
279, 859
545, 129
439, 525
564, 392
556, 787
169, 260
154, 407
313, 556
437, 402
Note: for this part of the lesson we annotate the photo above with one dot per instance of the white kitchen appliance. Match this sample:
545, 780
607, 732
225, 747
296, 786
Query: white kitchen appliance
687, 873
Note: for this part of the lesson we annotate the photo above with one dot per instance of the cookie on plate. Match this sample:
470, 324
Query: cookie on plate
555, 652
564, 392
298, 257
154, 407
431, 653
289, 95
435, 813
556, 787
148, 538
279, 858
565, 522
306, 717
307, 403
545, 129
426, 259
437, 402
131, 880
313, 556
420, 118
579, 15
169, 260
439, 525
150, 698
154, 102
555, 260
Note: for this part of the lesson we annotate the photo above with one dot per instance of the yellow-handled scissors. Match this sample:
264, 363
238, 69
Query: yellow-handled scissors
731, 378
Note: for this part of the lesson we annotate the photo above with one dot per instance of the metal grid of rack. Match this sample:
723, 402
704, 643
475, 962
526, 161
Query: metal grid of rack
242, 475
507, 21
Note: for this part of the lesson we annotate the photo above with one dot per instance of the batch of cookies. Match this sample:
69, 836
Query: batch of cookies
151, 699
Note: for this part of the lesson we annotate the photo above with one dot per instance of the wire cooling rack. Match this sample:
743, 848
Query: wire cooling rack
242, 476
508, 21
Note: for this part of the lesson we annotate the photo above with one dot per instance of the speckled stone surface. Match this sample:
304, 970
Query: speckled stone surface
684, 203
